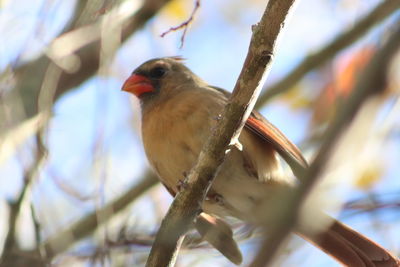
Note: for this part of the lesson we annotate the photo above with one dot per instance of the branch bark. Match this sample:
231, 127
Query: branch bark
345, 39
187, 204
370, 83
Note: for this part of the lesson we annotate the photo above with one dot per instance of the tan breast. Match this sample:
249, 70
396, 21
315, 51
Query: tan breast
173, 132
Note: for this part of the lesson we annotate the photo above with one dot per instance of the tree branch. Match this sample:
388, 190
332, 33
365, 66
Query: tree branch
187, 203
184, 25
15, 206
65, 238
30, 76
382, 11
370, 83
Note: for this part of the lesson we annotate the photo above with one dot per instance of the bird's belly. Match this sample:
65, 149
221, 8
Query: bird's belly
173, 164
235, 192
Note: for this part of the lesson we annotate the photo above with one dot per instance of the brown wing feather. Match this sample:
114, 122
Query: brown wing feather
269, 133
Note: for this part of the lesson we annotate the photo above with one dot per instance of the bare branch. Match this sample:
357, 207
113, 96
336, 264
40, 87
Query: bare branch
345, 39
370, 83
184, 24
30, 76
62, 240
372, 202
36, 225
186, 205
65, 238
15, 206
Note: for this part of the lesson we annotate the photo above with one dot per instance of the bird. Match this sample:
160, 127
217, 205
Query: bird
178, 112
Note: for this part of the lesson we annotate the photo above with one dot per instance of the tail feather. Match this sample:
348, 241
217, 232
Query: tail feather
374, 250
351, 248
344, 244
219, 234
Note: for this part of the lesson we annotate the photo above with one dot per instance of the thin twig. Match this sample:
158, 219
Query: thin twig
186, 204
184, 24
345, 39
370, 83
372, 202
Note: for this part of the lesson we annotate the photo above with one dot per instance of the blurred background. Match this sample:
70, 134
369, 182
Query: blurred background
74, 181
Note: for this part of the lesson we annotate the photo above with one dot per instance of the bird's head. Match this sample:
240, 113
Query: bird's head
159, 78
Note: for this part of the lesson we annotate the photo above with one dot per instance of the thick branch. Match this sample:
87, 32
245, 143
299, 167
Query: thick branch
345, 39
371, 83
65, 238
187, 203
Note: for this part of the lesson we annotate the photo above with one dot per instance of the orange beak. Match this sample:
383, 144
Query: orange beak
137, 85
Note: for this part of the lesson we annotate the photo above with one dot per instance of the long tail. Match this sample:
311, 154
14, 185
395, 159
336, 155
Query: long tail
344, 244
351, 248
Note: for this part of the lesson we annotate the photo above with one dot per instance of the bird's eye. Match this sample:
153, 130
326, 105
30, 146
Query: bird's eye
157, 72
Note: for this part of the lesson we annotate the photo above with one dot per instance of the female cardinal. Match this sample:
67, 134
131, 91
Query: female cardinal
179, 110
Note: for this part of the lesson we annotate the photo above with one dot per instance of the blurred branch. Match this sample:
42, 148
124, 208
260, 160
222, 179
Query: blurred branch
31, 88
128, 244
30, 76
15, 206
374, 206
61, 241
14, 138
18, 258
382, 11
36, 225
34, 72
65, 238
187, 203
88, 13
371, 82
192, 242
372, 202
50, 79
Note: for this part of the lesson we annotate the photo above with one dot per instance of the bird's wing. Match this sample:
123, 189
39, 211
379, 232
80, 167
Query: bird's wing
265, 130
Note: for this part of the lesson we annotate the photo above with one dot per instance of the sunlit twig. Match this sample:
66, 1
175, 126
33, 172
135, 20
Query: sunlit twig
184, 25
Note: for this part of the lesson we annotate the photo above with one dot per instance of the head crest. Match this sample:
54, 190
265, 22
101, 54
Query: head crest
177, 58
